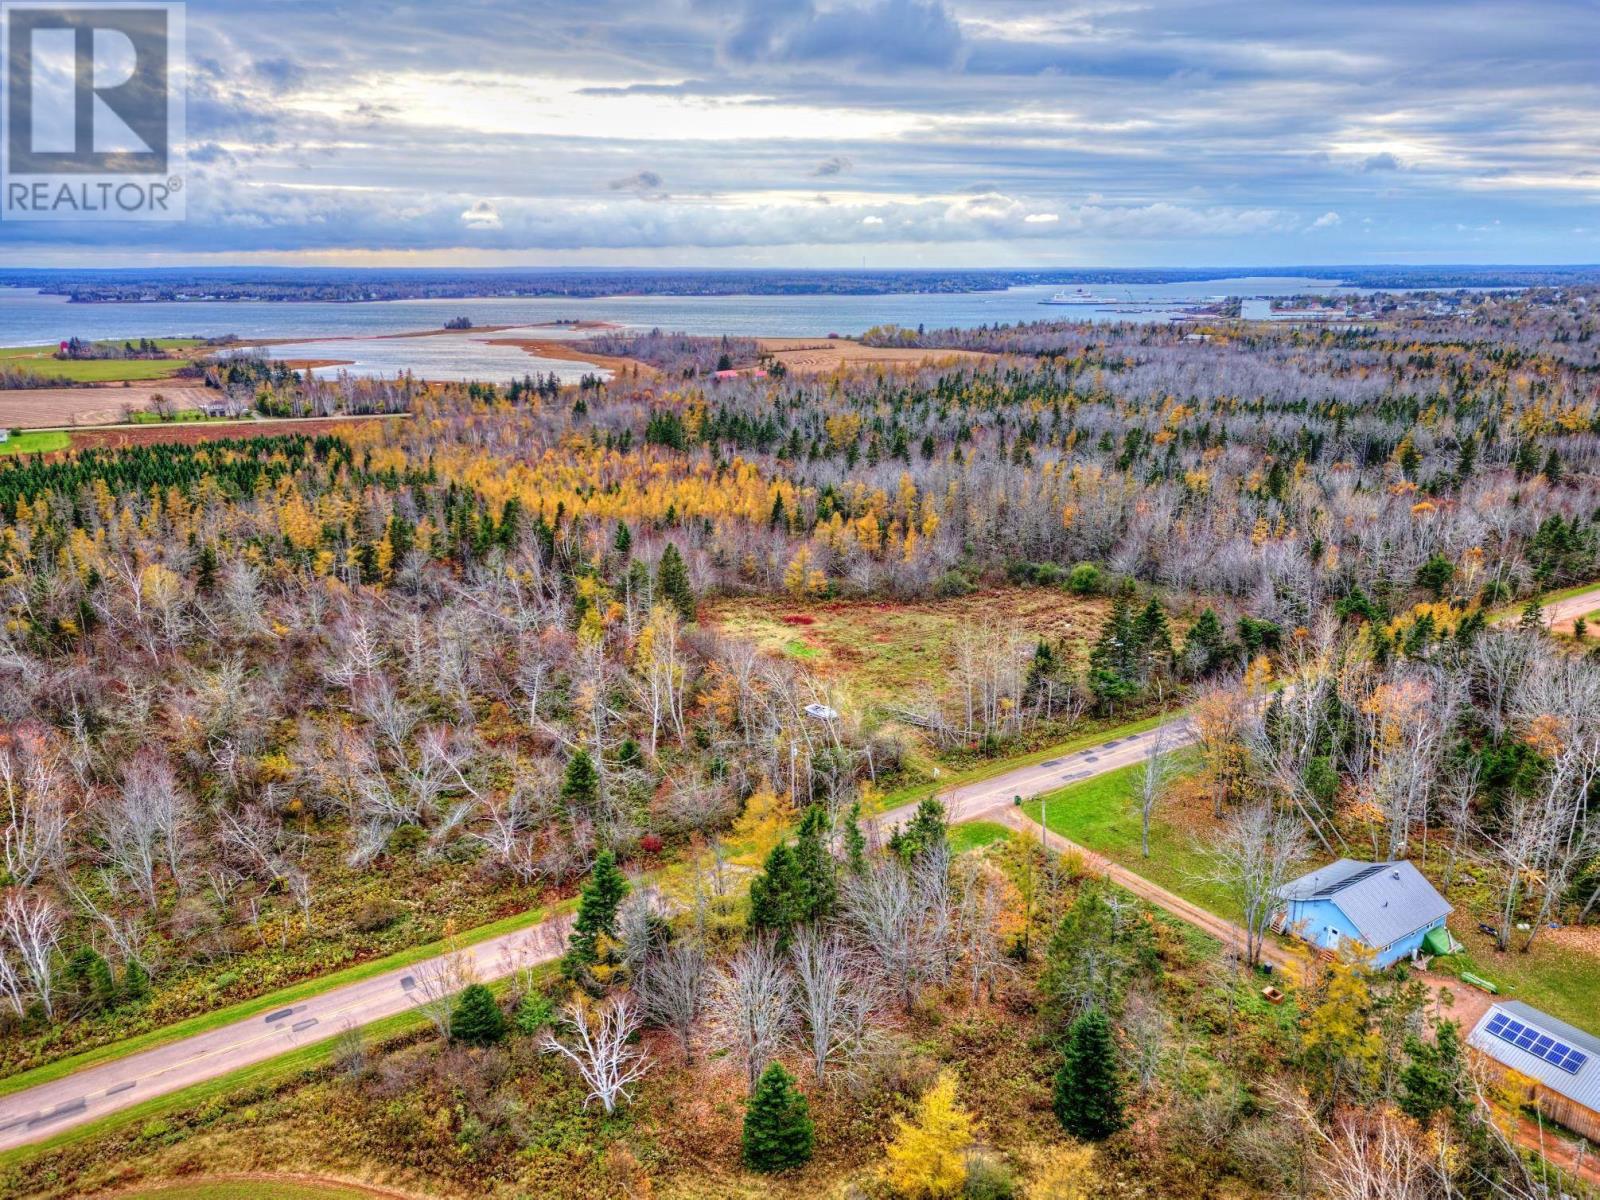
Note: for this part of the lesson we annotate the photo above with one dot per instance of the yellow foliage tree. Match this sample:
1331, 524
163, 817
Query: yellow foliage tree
927, 1158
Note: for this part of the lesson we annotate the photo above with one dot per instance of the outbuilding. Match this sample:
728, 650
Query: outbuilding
1561, 1060
1386, 908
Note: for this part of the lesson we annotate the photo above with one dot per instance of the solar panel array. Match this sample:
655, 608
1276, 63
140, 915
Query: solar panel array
1537, 1042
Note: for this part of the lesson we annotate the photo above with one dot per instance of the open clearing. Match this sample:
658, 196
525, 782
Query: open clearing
819, 356
36, 443
43, 408
883, 653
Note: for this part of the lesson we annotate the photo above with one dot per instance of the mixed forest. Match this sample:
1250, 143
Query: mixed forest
274, 706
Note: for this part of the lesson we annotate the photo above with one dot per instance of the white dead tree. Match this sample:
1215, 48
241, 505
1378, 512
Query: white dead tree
438, 982
600, 1046
751, 1008
836, 998
35, 812
899, 920
671, 987
1252, 858
146, 825
980, 902
30, 930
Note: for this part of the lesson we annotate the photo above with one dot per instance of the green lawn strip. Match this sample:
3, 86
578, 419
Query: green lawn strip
269, 1073
36, 442
1099, 814
1092, 737
974, 835
284, 996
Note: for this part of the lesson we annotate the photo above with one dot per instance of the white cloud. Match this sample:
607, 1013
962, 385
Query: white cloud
1327, 220
1042, 218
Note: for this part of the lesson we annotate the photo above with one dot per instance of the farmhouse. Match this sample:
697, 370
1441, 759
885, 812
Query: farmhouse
1387, 908
1561, 1062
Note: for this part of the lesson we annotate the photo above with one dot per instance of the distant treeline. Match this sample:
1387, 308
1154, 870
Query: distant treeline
334, 284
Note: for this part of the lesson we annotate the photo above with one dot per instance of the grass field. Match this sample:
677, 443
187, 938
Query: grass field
975, 835
36, 443
1099, 814
40, 360
251, 1188
880, 654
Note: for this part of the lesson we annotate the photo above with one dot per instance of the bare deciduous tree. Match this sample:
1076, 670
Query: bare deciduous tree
671, 987
30, 928
146, 824
837, 999
600, 1047
751, 1009
1252, 858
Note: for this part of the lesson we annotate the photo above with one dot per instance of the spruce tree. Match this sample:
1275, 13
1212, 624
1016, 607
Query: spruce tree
777, 1123
855, 842
135, 981
1153, 636
672, 582
1206, 646
1088, 1099
597, 913
1114, 654
623, 542
476, 1018
580, 786
775, 894
816, 877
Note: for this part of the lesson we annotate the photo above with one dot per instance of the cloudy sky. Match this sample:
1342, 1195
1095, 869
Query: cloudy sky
877, 132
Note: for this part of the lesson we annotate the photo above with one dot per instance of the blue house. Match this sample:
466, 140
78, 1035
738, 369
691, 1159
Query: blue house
1387, 908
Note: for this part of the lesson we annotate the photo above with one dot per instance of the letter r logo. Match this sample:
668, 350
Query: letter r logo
87, 89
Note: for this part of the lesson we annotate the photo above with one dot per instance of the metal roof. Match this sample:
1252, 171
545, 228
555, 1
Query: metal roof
1384, 901
1581, 1086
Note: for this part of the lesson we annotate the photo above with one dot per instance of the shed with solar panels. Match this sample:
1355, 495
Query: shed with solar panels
1562, 1061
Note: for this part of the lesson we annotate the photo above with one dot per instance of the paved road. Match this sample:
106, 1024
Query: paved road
990, 798
1558, 614
40, 1112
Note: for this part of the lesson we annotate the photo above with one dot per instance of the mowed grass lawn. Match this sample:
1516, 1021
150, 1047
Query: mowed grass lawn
974, 835
41, 360
43, 442
1100, 814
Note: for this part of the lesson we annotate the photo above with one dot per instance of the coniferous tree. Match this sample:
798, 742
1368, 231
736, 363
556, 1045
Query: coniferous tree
1153, 637
778, 1132
1088, 1099
580, 786
855, 842
623, 542
775, 903
597, 913
1206, 646
816, 875
672, 582
1112, 659
476, 1018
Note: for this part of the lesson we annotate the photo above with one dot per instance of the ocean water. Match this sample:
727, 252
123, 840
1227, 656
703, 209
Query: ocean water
29, 318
